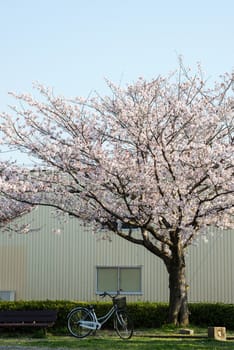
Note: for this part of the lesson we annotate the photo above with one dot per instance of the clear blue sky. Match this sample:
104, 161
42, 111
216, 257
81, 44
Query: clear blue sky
72, 45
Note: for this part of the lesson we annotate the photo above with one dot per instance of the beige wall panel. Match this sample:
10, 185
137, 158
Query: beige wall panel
210, 268
118, 252
13, 269
45, 265
61, 262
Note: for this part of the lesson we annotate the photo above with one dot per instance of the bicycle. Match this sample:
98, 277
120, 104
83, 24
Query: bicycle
81, 321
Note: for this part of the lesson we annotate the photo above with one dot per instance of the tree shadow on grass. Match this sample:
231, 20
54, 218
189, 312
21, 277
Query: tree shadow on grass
158, 344
112, 343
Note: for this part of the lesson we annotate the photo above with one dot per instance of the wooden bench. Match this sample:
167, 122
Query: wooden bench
27, 318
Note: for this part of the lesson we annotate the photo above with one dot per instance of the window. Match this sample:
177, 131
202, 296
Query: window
125, 279
8, 295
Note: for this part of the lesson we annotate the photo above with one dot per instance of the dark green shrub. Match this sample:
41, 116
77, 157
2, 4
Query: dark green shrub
207, 314
148, 315
143, 314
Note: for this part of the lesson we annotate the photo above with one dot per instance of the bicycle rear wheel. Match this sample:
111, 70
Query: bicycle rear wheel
123, 325
74, 322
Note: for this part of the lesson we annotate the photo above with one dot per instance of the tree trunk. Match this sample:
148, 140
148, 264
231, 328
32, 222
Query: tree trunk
178, 302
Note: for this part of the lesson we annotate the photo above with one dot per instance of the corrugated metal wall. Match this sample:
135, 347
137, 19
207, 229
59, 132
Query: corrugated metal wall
210, 268
44, 265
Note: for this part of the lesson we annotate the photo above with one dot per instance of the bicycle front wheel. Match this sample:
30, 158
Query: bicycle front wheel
74, 322
123, 325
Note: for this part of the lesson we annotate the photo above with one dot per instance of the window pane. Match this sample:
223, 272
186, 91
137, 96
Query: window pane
107, 279
130, 279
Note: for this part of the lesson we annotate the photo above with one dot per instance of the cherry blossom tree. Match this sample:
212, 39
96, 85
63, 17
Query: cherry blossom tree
11, 209
155, 157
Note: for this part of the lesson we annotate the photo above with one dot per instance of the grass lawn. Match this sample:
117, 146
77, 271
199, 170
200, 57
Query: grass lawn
110, 342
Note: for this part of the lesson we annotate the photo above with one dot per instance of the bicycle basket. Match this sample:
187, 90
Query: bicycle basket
121, 303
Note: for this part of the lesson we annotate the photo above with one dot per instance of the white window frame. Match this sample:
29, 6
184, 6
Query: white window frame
119, 268
7, 295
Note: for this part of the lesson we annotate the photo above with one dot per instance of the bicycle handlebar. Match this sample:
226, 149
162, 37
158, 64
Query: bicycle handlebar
104, 294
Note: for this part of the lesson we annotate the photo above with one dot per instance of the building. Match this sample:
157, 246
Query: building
78, 264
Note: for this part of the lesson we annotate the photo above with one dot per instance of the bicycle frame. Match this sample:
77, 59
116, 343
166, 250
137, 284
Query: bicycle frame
97, 321
82, 321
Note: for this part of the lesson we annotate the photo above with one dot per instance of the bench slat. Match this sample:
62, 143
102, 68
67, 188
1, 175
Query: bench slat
18, 324
27, 318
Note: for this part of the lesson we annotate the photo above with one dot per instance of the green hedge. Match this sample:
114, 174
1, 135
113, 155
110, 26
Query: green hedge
144, 314
207, 314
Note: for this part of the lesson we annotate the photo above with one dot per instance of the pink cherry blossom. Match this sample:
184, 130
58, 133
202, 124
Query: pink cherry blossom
155, 155
11, 209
